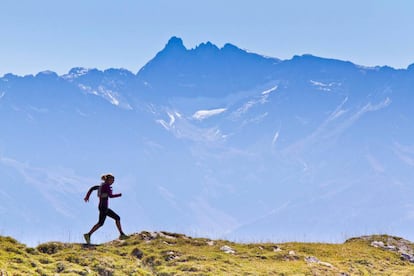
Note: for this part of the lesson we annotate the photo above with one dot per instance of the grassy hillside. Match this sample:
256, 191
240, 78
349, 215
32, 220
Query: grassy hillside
165, 253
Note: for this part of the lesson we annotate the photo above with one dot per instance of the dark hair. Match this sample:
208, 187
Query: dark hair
107, 176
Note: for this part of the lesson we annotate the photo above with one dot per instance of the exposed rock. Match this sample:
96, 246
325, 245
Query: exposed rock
170, 255
314, 260
402, 246
291, 256
380, 244
227, 249
168, 235
145, 236
407, 257
149, 236
311, 259
211, 243
377, 244
326, 264
277, 249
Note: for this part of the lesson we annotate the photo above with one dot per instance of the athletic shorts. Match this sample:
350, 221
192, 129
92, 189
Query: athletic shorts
104, 212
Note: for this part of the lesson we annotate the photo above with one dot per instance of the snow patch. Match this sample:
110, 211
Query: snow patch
172, 119
182, 128
163, 123
327, 87
76, 73
170, 124
275, 137
204, 114
87, 89
339, 111
177, 114
107, 94
262, 99
269, 90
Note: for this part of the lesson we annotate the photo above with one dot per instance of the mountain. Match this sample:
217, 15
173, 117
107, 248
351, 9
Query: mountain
210, 141
205, 71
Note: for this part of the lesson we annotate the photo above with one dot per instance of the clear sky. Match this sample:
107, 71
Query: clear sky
58, 35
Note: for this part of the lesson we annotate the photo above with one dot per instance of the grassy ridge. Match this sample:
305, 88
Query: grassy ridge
165, 253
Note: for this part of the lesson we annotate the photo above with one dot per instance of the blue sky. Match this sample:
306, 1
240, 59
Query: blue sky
59, 35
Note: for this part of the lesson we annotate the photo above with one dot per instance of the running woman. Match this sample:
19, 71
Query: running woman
104, 193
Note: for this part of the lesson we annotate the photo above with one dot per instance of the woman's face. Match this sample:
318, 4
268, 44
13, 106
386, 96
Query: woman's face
110, 180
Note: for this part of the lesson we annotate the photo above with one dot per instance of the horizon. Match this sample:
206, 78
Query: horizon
128, 34
189, 49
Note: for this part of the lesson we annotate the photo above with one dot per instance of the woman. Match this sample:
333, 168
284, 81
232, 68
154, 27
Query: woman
104, 193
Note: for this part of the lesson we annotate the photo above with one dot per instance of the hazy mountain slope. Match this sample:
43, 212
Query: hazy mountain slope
211, 141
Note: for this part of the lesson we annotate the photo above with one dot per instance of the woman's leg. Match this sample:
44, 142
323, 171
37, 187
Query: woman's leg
117, 219
102, 216
94, 228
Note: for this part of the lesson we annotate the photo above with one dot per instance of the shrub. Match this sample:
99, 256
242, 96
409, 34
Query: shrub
151, 261
31, 250
60, 267
50, 248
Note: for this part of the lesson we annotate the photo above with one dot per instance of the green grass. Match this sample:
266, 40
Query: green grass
174, 254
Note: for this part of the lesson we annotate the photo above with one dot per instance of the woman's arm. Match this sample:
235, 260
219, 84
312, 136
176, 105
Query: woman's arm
111, 195
90, 191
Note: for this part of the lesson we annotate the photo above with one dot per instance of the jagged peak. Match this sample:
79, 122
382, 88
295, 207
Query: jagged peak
207, 46
175, 43
229, 46
78, 70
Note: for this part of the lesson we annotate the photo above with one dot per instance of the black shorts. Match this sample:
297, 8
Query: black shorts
104, 212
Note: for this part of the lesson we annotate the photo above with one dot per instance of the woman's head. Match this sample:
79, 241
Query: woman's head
108, 178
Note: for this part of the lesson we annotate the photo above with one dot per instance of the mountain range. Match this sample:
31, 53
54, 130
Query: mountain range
210, 141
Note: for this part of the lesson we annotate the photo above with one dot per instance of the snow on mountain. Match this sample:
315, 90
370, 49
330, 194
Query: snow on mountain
75, 73
258, 99
109, 95
203, 114
211, 141
327, 87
